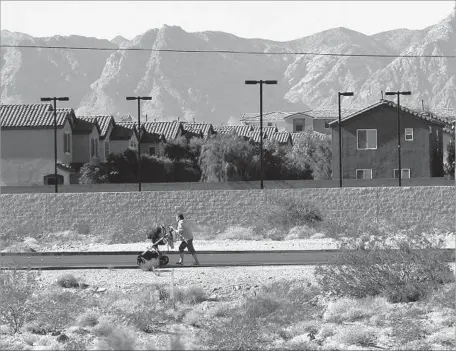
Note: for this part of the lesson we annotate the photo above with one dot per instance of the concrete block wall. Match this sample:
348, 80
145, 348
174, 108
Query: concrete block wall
32, 214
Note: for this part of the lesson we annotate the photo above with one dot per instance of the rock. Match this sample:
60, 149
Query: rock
83, 285
62, 338
213, 297
101, 289
55, 333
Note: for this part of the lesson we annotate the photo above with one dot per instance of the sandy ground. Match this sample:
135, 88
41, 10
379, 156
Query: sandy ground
208, 245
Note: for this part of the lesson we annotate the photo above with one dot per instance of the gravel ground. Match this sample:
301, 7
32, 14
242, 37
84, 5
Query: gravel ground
207, 245
224, 282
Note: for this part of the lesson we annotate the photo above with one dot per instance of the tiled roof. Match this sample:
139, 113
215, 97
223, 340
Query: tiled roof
204, 128
32, 116
280, 137
426, 116
268, 116
129, 125
267, 130
330, 113
103, 122
85, 124
255, 136
169, 129
239, 130
120, 132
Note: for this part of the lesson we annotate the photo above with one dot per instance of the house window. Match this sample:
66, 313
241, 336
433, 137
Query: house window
106, 149
151, 150
269, 124
367, 139
364, 174
133, 145
326, 125
67, 143
94, 148
50, 179
408, 134
298, 128
405, 173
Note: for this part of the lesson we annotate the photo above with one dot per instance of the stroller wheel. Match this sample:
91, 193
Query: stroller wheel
163, 260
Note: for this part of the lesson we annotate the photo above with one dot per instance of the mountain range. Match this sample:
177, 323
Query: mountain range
210, 86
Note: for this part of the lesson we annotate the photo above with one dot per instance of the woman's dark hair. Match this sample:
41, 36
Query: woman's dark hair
180, 215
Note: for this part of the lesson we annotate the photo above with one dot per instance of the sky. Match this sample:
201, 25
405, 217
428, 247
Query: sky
274, 20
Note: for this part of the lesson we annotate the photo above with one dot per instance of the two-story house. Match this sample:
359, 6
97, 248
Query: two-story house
284, 121
106, 126
242, 130
27, 144
86, 141
369, 143
122, 137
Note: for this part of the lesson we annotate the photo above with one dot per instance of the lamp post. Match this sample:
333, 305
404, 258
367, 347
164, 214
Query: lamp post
139, 98
55, 99
261, 82
349, 93
399, 93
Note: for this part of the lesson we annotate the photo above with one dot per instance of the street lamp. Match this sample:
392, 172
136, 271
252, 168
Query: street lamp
261, 82
139, 98
55, 99
349, 93
399, 93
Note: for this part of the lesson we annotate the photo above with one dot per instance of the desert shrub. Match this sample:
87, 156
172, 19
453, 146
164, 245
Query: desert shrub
357, 335
260, 318
111, 337
286, 213
17, 298
444, 297
263, 306
401, 275
88, 319
194, 295
58, 309
68, 281
350, 310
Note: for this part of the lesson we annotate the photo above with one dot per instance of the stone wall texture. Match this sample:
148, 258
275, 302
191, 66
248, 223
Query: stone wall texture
32, 214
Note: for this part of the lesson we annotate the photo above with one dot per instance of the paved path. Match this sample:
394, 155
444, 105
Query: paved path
103, 260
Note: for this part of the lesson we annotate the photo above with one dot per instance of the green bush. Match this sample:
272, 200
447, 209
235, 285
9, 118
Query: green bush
400, 275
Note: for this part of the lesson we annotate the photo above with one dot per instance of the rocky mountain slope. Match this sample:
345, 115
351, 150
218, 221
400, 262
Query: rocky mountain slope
210, 87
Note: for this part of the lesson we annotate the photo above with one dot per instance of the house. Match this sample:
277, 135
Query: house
204, 129
283, 138
122, 138
255, 136
284, 121
27, 144
151, 143
296, 122
369, 143
170, 130
268, 130
243, 130
318, 120
86, 141
106, 125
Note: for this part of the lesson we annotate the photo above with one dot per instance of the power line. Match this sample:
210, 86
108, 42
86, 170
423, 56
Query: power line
223, 51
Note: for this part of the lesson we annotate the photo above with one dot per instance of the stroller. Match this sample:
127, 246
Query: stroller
153, 256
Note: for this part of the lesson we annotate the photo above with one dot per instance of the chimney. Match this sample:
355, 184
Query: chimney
193, 119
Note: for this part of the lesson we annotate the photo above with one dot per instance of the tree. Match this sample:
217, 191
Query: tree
450, 161
90, 174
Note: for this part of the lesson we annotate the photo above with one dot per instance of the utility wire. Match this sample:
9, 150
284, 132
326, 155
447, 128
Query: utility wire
222, 51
